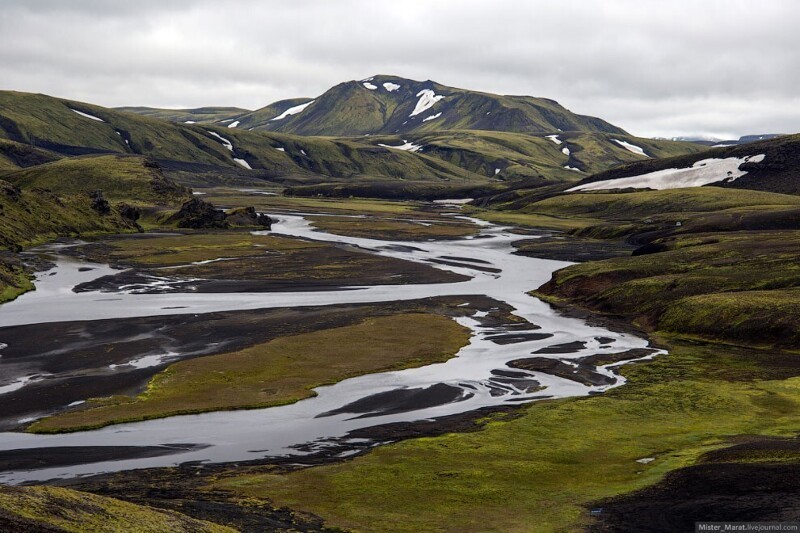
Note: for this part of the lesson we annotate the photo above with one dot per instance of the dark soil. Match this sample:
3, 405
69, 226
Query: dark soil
582, 373
762, 486
28, 458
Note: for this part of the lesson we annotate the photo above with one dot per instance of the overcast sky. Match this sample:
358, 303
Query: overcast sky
655, 68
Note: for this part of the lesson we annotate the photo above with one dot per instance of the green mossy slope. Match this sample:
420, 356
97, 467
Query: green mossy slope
60, 509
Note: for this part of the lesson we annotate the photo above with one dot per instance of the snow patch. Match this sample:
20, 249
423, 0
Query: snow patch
432, 117
87, 115
223, 140
631, 147
389, 86
190, 122
572, 168
244, 163
124, 139
554, 138
645, 460
19, 383
369, 86
454, 201
701, 173
406, 146
496, 171
303, 152
148, 361
233, 124
565, 150
426, 100
293, 111
280, 148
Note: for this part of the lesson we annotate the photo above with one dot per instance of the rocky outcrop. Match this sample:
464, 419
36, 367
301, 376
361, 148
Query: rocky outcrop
7, 190
248, 216
99, 203
129, 212
198, 214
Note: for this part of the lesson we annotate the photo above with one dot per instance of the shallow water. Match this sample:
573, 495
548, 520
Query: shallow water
478, 377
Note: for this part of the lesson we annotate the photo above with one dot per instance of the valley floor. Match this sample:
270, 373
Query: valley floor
706, 431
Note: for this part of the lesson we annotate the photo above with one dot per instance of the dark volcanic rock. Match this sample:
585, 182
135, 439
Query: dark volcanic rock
129, 212
10, 191
99, 203
199, 214
248, 216
722, 492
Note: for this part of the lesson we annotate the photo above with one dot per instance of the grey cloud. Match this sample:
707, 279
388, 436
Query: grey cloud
653, 67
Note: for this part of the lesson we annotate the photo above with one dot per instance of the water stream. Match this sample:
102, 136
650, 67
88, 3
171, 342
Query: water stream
477, 377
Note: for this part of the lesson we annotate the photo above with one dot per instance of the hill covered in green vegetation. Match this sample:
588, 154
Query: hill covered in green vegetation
385, 104
198, 115
215, 152
122, 178
50, 509
767, 165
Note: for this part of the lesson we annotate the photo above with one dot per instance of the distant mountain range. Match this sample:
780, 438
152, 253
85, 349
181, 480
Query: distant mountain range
390, 104
717, 142
348, 133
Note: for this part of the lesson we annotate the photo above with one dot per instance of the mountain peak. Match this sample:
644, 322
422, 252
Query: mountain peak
390, 104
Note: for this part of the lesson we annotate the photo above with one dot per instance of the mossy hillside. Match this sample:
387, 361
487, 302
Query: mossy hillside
738, 287
776, 173
521, 155
632, 206
122, 178
34, 216
352, 108
200, 115
538, 470
45, 508
615, 215
759, 316
282, 155
14, 155
455, 157
260, 118
281, 371
50, 123
14, 279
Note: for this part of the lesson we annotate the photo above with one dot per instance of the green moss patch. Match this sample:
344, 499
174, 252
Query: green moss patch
53, 508
537, 471
281, 371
